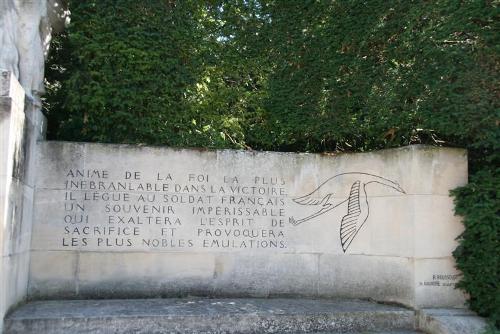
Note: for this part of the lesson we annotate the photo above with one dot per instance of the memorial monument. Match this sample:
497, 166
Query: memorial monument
125, 221
105, 221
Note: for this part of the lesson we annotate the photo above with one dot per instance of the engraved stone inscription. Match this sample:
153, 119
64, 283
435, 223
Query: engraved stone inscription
442, 280
160, 210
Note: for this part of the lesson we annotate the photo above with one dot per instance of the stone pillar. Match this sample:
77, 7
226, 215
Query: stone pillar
21, 125
26, 27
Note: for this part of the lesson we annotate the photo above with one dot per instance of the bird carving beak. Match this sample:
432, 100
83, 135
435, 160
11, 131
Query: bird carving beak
398, 188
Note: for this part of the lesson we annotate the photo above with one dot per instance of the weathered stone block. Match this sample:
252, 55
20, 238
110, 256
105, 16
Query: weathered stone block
435, 280
217, 316
53, 273
117, 274
16, 190
260, 275
150, 221
357, 276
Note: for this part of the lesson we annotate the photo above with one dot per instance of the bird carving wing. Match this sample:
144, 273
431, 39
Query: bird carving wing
310, 199
355, 217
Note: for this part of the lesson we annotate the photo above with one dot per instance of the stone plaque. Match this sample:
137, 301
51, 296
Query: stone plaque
233, 220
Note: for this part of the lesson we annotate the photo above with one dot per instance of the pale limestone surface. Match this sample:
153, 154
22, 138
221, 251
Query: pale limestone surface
26, 27
21, 125
401, 253
450, 321
216, 316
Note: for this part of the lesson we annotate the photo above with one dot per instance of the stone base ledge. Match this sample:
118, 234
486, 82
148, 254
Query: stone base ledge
203, 315
450, 321
237, 316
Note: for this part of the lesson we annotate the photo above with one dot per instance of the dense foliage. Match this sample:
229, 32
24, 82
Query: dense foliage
478, 254
299, 76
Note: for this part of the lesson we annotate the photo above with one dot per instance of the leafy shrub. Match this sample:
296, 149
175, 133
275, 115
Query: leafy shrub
478, 253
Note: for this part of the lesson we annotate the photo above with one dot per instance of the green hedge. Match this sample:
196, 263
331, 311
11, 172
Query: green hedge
478, 254
294, 76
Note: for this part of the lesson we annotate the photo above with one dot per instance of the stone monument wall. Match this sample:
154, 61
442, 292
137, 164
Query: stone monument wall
117, 221
21, 125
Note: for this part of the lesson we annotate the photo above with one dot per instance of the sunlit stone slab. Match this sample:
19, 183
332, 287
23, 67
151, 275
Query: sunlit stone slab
152, 221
